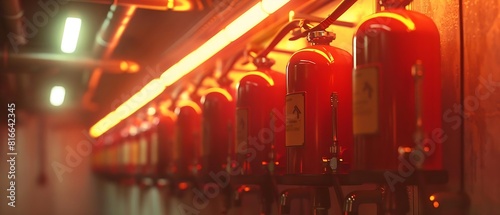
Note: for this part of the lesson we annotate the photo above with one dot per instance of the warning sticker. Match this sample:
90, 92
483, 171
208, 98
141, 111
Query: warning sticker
365, 100
241, 126
295, 120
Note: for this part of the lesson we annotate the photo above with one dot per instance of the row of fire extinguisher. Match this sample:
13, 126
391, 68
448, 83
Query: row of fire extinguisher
331, 112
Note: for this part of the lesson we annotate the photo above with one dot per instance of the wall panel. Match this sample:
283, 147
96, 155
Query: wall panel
445, 14
482, 104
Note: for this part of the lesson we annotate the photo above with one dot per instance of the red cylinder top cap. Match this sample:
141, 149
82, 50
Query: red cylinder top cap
395, 3
320, 37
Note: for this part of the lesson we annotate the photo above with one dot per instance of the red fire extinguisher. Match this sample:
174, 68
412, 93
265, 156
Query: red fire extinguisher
260, 132
164, 130
319, 88
217, 122
397, 85
124, 146
98, 156
188, 138
131, 153
127, 150
145, 142
113, 158
108, 140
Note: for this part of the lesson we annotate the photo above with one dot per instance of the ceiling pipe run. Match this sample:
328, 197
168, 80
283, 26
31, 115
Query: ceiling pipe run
106, 41
47, 59
179, 5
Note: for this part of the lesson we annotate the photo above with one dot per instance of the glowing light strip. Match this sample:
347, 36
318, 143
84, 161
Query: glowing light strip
233, 31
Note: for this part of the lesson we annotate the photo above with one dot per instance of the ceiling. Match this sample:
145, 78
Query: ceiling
155, 39
149, 35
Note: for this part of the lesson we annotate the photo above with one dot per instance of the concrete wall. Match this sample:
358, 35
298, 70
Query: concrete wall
74, 193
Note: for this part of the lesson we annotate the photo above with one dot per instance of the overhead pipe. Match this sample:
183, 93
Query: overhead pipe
12, 13
147, 4
112, 66
106, 41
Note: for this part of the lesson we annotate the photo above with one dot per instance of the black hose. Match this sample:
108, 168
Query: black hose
200, 80
280, 35
177, 93
341, 9
227, 68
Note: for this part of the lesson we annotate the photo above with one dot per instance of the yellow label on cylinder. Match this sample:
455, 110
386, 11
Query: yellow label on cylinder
365, 100
295, 120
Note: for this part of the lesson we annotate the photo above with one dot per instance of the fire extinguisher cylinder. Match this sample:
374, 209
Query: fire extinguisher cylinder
397, 85
218, 115
312, 75
188, 143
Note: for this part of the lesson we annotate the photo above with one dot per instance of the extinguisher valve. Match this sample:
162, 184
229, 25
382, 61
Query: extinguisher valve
321, 37
263, 62
334, 164
330, 165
